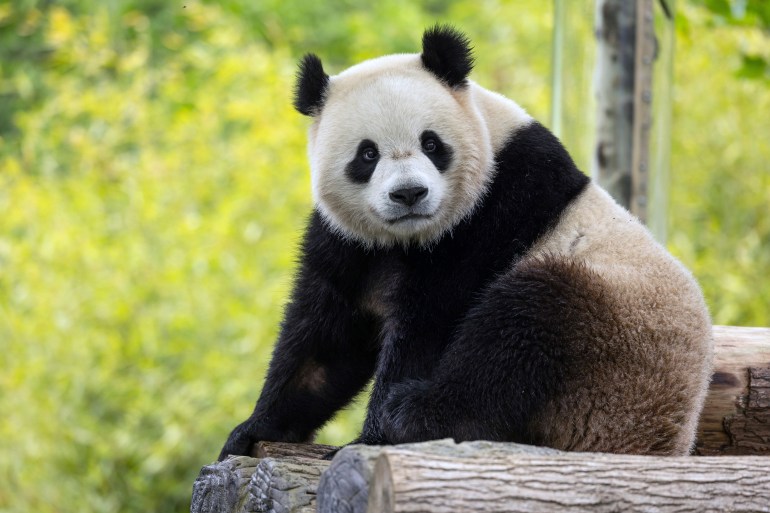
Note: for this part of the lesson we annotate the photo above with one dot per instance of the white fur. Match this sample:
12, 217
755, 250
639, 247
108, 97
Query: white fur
392, 100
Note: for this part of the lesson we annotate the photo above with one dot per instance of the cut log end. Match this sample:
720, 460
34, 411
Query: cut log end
220, 487
285, 485
344, 486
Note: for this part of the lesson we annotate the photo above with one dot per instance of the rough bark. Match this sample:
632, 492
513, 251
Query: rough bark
286, 485
221, 487
282, 449
344, 488
736, 416
242, 484
413, 481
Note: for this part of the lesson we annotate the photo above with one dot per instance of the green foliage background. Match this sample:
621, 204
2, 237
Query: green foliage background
154, 184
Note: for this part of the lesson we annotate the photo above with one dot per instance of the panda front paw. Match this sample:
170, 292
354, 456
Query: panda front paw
239, 443
242, 439
413, 413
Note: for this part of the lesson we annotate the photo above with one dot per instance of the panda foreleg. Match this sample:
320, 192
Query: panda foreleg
325, 354
512, 353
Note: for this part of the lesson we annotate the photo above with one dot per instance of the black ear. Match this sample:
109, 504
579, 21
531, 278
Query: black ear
447, 53
311, 86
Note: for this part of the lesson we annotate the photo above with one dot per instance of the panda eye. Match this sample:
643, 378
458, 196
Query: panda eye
369, 154
436, 149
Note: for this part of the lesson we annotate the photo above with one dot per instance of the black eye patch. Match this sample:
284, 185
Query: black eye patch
436, 150
360, 169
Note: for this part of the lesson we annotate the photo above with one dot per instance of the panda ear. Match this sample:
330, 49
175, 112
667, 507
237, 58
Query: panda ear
311, 86
447, 53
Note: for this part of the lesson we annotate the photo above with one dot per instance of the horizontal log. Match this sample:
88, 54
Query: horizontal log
736, 415
344, 487
283, 449
409, 480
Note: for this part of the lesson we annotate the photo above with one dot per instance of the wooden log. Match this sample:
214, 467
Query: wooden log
344, 487
221, 487
283, 449
229, 486
736, 416
408, 480
286, 485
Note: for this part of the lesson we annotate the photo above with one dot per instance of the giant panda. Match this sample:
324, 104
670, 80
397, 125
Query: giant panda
458, 257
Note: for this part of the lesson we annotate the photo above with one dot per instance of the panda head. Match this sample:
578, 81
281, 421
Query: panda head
399, 153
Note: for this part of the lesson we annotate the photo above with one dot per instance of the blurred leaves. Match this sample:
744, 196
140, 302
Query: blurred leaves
149, 215
154, 184
743, 14
153, 188
720, 190
754, 67
738, 12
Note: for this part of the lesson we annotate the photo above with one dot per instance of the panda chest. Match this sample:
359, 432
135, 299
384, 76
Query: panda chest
417, 306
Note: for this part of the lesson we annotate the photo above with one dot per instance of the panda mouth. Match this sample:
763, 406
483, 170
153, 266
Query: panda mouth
408, 217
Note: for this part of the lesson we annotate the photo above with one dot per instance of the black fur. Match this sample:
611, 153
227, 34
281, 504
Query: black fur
311, 86
447, 53
506, 359
321, 324
441, 156
360, 169
442, 368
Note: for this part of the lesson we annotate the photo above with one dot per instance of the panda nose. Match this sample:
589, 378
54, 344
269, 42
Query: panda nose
409, 196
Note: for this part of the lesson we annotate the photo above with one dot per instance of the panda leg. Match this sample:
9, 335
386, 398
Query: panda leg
517, 348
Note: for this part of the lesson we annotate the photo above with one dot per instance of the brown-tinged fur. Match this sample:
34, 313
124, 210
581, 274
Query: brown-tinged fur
639, 333
311, 377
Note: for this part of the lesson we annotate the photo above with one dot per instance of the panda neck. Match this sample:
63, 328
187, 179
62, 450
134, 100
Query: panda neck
501, 115
534, 181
